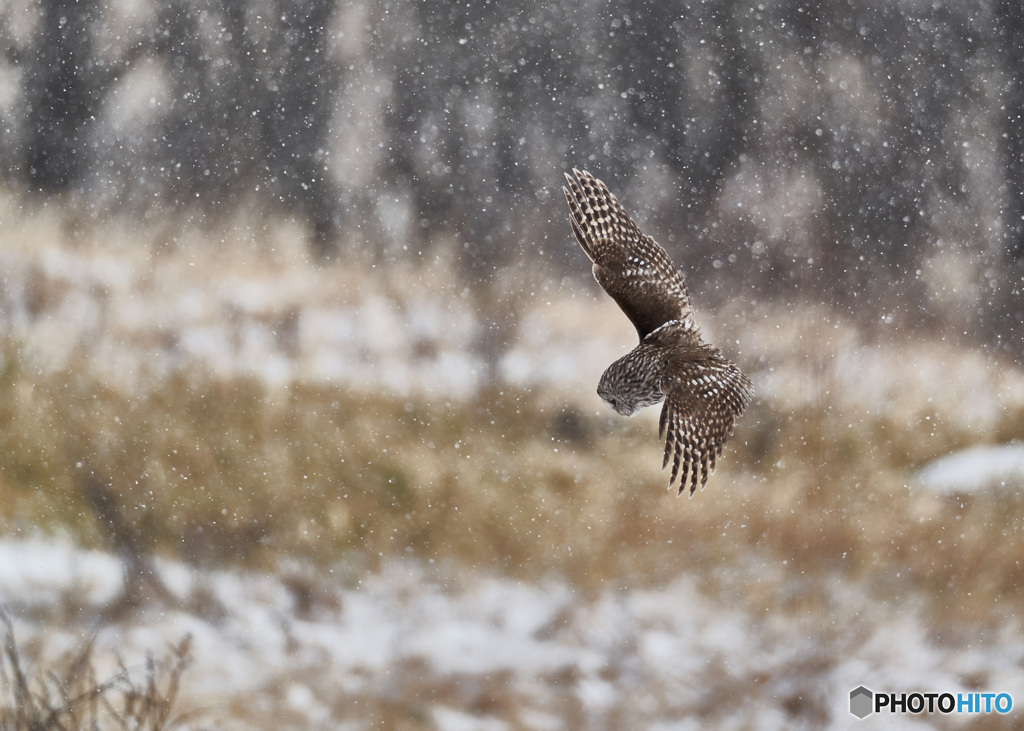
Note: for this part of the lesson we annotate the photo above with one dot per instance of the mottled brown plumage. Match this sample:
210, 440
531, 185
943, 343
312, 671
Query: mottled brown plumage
703, 392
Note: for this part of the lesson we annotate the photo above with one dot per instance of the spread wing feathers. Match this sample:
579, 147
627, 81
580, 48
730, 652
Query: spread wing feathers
631, 267
702, 402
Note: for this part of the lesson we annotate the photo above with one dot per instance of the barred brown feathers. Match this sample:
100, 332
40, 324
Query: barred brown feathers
703, 392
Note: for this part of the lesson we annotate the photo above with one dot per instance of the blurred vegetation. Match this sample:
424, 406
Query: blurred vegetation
235, 472
865, 156
842, 151
69, 695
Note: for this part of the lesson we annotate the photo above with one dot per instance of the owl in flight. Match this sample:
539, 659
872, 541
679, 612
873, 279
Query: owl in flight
703, 392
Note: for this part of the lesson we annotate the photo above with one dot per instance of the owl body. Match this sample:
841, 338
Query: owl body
703, 392
635, 380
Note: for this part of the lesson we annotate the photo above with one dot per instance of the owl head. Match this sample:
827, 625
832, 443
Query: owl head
628, 386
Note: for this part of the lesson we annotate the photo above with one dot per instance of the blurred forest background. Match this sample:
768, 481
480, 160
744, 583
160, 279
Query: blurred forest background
287, 289
828, 151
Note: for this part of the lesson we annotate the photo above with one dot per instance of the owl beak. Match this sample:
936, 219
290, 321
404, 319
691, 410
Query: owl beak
619, 407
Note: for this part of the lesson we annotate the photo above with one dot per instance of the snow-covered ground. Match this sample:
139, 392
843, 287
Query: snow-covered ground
472, 651
459, 649
133, 315
976, 469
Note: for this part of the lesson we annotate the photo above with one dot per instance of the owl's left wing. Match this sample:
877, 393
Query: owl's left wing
630, 266
703, 399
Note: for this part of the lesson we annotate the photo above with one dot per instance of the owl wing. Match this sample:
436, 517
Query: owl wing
631, 267
703, 398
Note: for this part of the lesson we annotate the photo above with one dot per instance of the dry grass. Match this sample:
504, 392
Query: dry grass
233, 471
220, 469
216, 467
69, 696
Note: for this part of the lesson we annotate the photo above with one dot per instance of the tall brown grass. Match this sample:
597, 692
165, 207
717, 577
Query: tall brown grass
232, 471
817, 486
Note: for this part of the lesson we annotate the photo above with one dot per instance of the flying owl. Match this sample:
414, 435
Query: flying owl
703, 392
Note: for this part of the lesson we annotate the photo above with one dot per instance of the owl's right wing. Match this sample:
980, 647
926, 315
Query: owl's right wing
631, 267
703, 398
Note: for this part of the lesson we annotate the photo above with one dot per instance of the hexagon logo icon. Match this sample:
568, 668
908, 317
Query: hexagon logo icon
861, 702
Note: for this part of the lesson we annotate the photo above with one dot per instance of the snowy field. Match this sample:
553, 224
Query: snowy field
138, 314
469, 651
753, 642
976, 470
